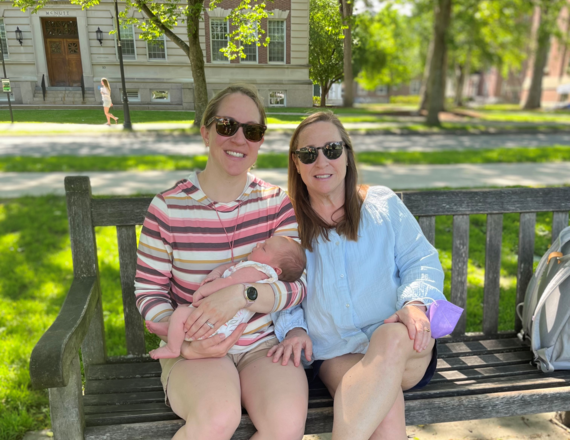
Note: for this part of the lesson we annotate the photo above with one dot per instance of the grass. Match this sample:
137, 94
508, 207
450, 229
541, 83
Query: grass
35, 260
276, 160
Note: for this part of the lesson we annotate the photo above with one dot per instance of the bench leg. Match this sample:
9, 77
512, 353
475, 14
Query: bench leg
66, 406
564, 418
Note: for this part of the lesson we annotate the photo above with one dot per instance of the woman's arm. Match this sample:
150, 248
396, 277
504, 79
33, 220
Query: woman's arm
244, 275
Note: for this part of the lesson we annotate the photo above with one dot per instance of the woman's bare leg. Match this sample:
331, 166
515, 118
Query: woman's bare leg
276, 398
367, 388
107, 115
205, 393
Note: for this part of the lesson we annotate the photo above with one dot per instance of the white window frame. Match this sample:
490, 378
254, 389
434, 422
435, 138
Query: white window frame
163, 37
4, 39
244, 60
284, 43
284, 98
132, 26
159, 100
382, 90
225, 60
132, 99
415, 84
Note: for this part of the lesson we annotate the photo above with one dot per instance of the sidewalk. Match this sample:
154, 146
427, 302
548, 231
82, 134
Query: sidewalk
396, 177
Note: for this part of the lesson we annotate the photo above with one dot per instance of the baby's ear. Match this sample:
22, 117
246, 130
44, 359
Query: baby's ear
278, 270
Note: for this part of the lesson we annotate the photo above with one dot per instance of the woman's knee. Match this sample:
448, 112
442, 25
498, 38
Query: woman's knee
288, 425
213, 423
391, 342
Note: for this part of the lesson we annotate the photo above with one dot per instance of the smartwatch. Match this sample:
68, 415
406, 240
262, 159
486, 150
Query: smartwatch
250, 294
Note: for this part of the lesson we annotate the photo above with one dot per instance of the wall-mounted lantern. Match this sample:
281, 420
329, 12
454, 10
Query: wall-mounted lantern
19, 36
99, 34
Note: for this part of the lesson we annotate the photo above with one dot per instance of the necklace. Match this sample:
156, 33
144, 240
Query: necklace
231, 243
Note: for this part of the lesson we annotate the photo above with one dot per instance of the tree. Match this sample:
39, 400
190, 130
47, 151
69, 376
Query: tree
547, 12
387, 49
163, 15
326, 56
346, 8
438, 69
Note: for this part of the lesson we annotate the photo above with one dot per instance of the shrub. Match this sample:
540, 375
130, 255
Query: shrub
405, 99
316, 101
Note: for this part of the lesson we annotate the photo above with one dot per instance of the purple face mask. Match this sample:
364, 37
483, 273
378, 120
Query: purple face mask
443, 317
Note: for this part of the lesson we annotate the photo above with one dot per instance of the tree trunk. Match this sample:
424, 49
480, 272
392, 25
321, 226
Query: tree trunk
424, 91
324, 92
438, 69
346, 10
196, 57
464, 74
541, 55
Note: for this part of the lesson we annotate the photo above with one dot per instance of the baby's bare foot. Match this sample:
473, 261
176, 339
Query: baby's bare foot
158, 328
164, 353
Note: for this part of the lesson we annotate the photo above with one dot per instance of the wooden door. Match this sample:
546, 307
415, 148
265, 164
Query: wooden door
62, 52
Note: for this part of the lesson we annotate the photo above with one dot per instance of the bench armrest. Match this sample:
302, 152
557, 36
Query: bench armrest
52, 355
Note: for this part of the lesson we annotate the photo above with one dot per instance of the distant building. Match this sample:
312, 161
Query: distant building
60, 48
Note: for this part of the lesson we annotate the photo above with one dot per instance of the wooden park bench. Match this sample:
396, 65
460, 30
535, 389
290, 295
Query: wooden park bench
478, 375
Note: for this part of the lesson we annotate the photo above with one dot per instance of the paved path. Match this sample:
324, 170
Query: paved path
396, 177
154, 143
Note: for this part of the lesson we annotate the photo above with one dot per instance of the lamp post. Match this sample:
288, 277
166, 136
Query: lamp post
127, 124
4, 68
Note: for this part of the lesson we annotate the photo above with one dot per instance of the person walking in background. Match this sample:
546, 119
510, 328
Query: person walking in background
107, 103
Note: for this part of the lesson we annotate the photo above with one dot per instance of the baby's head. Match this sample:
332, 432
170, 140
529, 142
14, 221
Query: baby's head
283, 254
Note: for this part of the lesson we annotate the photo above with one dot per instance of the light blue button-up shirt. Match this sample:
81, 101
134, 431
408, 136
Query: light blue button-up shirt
352, 286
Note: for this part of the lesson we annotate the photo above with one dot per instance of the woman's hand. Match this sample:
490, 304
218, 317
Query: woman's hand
295, 341
215, 347
215, 309
415, 319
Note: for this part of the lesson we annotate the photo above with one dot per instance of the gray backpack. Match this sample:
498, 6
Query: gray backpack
546, 308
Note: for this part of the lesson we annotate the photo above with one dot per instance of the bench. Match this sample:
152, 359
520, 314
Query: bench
478, 375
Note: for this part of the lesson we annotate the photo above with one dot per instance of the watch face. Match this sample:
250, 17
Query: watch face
251, 293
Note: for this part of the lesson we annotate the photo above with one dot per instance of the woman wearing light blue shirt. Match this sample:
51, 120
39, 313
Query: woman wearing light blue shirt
370, 271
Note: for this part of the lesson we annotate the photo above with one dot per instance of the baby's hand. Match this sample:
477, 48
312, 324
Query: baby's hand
211, 277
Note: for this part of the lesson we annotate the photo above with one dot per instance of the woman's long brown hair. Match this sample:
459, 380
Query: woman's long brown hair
311, 224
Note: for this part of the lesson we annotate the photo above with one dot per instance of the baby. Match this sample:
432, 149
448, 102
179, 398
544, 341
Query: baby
278, 258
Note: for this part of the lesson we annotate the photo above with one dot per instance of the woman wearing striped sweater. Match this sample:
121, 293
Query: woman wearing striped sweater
210, 218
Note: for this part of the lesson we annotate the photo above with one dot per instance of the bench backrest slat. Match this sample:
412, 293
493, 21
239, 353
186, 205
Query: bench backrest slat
525, 258
119, 211
459, 260
492, 274
134, 328
427, 224
494, 201
559, 222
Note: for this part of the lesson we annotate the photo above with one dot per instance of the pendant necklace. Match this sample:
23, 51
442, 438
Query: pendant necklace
231, 243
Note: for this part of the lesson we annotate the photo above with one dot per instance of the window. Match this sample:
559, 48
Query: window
381, 90
160, 96
157, 48
276, 31
218, 38
415, 87
128, 42
4, 47
132, 94
250, 51
277, 99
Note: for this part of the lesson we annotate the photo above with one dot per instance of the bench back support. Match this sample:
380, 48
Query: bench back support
125, 213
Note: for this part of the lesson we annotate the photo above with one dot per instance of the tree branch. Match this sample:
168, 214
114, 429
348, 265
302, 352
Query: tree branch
171, 35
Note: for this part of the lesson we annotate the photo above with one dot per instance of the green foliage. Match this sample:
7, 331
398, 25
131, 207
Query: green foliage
405, 99
316, 101
387, 49
325, 43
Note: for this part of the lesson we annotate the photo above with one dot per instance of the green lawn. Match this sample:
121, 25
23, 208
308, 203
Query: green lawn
170, 163
35, 262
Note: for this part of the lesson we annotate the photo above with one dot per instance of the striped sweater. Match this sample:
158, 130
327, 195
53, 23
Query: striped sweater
182, 240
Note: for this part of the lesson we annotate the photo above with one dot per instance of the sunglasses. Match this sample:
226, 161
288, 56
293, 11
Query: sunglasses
331, 150
226, 126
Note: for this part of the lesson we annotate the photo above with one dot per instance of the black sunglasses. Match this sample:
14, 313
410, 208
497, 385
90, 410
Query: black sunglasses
331, 150
226, 126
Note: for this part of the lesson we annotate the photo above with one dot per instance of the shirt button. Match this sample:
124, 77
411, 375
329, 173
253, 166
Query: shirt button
348, 305
336, 243
342, 275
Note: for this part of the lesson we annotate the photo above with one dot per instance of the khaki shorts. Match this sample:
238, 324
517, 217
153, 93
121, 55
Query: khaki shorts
240, 360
